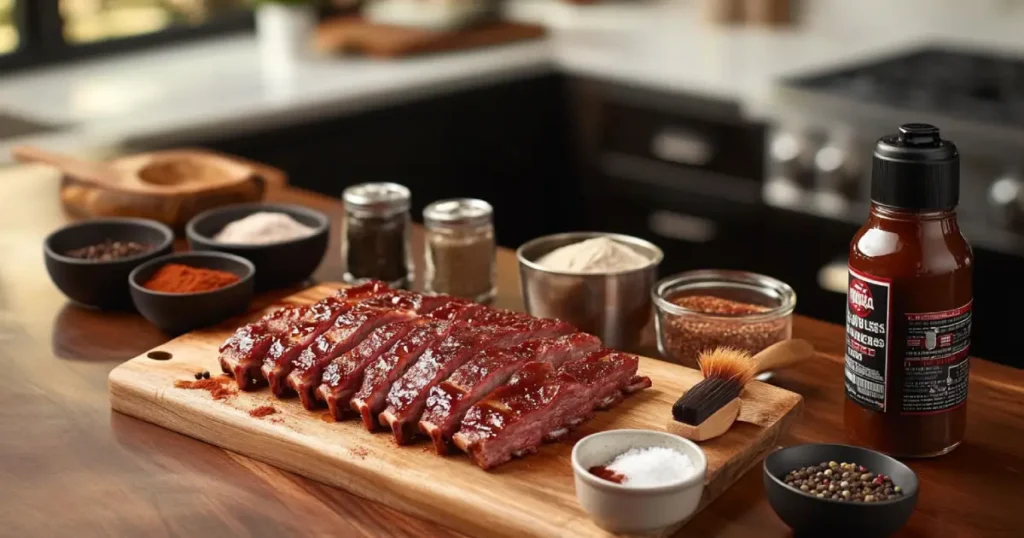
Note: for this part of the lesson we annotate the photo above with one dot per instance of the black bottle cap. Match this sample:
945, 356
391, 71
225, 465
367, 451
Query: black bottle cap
916, 169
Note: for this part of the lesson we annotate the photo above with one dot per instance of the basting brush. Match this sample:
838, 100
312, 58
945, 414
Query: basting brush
710, 407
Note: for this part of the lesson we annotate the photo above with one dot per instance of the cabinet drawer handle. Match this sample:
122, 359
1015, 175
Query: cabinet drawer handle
834, 277
680, 146
681, 227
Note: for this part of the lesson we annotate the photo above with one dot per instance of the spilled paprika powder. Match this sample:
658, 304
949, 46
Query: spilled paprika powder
179, 278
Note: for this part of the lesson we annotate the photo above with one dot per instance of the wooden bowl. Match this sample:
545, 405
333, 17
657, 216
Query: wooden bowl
181, 184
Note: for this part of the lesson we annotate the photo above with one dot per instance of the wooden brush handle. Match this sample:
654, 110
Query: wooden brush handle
783, 355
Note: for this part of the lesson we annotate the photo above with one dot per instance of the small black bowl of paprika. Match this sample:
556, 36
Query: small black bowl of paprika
839, 490
89, 261
188, 290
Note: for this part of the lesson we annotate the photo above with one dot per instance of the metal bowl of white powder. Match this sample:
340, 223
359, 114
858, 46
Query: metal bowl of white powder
599, 282
658, 479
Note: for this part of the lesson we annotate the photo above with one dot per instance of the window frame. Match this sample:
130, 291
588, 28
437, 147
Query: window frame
41, 36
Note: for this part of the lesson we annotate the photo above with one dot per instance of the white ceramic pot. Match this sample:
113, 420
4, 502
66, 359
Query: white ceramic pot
285, 33
635, 510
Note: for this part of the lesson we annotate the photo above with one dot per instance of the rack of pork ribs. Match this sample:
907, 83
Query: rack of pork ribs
494, 383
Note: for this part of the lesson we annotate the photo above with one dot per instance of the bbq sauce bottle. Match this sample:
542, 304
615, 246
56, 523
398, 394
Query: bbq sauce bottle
908, 312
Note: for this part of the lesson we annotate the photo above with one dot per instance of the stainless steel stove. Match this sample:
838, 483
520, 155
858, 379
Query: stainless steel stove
818, 159
827, 123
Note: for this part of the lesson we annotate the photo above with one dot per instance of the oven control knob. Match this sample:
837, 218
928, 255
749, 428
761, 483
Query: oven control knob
835, 171
791, 156
1006, 197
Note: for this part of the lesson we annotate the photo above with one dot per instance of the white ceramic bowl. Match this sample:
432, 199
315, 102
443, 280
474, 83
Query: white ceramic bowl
628, 509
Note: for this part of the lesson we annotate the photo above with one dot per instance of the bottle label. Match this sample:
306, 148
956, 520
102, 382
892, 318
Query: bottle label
936, 362
867, 339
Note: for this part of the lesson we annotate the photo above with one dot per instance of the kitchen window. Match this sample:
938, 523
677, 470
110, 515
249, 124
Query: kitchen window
35, 32
10, 33
91, 21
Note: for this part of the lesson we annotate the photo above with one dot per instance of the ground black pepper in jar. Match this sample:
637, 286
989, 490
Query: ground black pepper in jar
460, 248
376, 233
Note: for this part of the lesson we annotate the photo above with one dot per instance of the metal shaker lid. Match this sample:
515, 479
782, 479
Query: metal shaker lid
381, 199
458, 212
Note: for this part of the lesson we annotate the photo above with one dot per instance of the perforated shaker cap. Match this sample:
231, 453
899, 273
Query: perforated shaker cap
380, 199
458, 212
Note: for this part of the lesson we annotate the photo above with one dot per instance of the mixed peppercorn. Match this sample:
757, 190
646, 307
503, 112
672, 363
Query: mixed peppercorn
109, 250
843, 482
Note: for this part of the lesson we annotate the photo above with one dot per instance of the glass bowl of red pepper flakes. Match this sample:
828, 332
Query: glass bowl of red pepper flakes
697, 311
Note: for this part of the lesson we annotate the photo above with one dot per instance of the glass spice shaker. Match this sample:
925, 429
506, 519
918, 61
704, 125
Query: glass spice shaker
375, 240
460, 248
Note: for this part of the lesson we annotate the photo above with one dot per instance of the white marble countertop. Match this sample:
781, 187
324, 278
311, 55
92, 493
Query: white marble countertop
219, 86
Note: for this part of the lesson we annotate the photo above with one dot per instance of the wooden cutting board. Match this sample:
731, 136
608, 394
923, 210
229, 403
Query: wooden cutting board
532, 496
381, 41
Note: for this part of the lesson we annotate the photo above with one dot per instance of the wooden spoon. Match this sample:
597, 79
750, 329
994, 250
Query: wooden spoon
167, 174
91, 172
777, 356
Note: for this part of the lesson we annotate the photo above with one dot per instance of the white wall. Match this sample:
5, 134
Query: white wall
956, 17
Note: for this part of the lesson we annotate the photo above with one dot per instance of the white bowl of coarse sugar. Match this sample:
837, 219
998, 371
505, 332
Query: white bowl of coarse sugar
638, 481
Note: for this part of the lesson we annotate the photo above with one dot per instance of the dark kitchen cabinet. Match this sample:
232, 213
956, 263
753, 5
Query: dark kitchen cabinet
506, 144
682, 172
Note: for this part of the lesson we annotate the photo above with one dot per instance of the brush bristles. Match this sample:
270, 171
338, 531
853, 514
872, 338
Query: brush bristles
726, 370
727, 363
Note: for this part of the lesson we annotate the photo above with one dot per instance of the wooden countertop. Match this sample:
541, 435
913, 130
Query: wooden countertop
68, 465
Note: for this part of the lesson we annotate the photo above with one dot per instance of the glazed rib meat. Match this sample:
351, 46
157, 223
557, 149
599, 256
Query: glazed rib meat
377, 379
305, 370
344, 375
449, 400
408, 396
242, 354
540, 403
285, 347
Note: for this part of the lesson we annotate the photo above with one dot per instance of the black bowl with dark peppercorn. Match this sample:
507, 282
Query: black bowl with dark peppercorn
278, 264
839, 490
90, 261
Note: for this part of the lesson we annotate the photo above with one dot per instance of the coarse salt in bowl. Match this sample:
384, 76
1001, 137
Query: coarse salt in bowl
649, 503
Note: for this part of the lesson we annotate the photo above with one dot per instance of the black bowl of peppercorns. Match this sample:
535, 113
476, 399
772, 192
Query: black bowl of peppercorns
839, 490
89, 261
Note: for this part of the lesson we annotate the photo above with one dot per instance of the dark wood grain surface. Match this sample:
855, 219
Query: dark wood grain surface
70, 466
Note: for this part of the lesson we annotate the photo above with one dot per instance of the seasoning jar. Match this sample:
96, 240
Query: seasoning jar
909, 301
701, 310
460, 248
375, 242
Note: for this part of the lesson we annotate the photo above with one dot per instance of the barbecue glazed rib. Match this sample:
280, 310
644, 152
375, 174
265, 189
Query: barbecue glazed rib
349, 329
449, 400
305, 370
242, 354
540, 403
377, 379
408, 396
344, 375
277, 362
